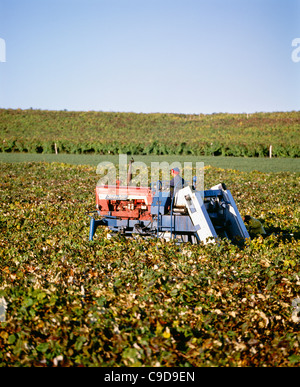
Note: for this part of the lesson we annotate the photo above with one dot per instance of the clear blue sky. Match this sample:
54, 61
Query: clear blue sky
175, 56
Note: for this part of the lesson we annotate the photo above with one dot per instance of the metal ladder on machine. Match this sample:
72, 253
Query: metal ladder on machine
205, 230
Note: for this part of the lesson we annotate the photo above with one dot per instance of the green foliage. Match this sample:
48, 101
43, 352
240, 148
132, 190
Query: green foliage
133, 302
37, 131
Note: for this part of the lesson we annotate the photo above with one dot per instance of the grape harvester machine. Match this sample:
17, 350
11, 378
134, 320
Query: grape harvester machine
185, 214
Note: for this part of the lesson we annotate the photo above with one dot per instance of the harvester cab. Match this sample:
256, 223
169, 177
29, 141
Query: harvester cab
186, 215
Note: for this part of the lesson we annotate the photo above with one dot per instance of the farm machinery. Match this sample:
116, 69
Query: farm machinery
184, 214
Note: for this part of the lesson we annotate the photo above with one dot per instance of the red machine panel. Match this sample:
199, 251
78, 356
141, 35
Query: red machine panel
125, 202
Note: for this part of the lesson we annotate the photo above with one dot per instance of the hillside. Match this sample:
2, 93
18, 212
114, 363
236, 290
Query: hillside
37, 131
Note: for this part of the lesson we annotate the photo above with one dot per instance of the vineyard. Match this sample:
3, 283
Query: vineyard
142, 302
37, 131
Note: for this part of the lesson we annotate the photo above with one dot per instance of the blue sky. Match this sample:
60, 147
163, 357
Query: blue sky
173, 56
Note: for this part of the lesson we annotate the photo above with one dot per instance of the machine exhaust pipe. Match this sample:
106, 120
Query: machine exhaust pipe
129, 173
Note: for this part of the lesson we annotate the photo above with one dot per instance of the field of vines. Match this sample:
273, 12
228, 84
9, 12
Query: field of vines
144, 302
40, 131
